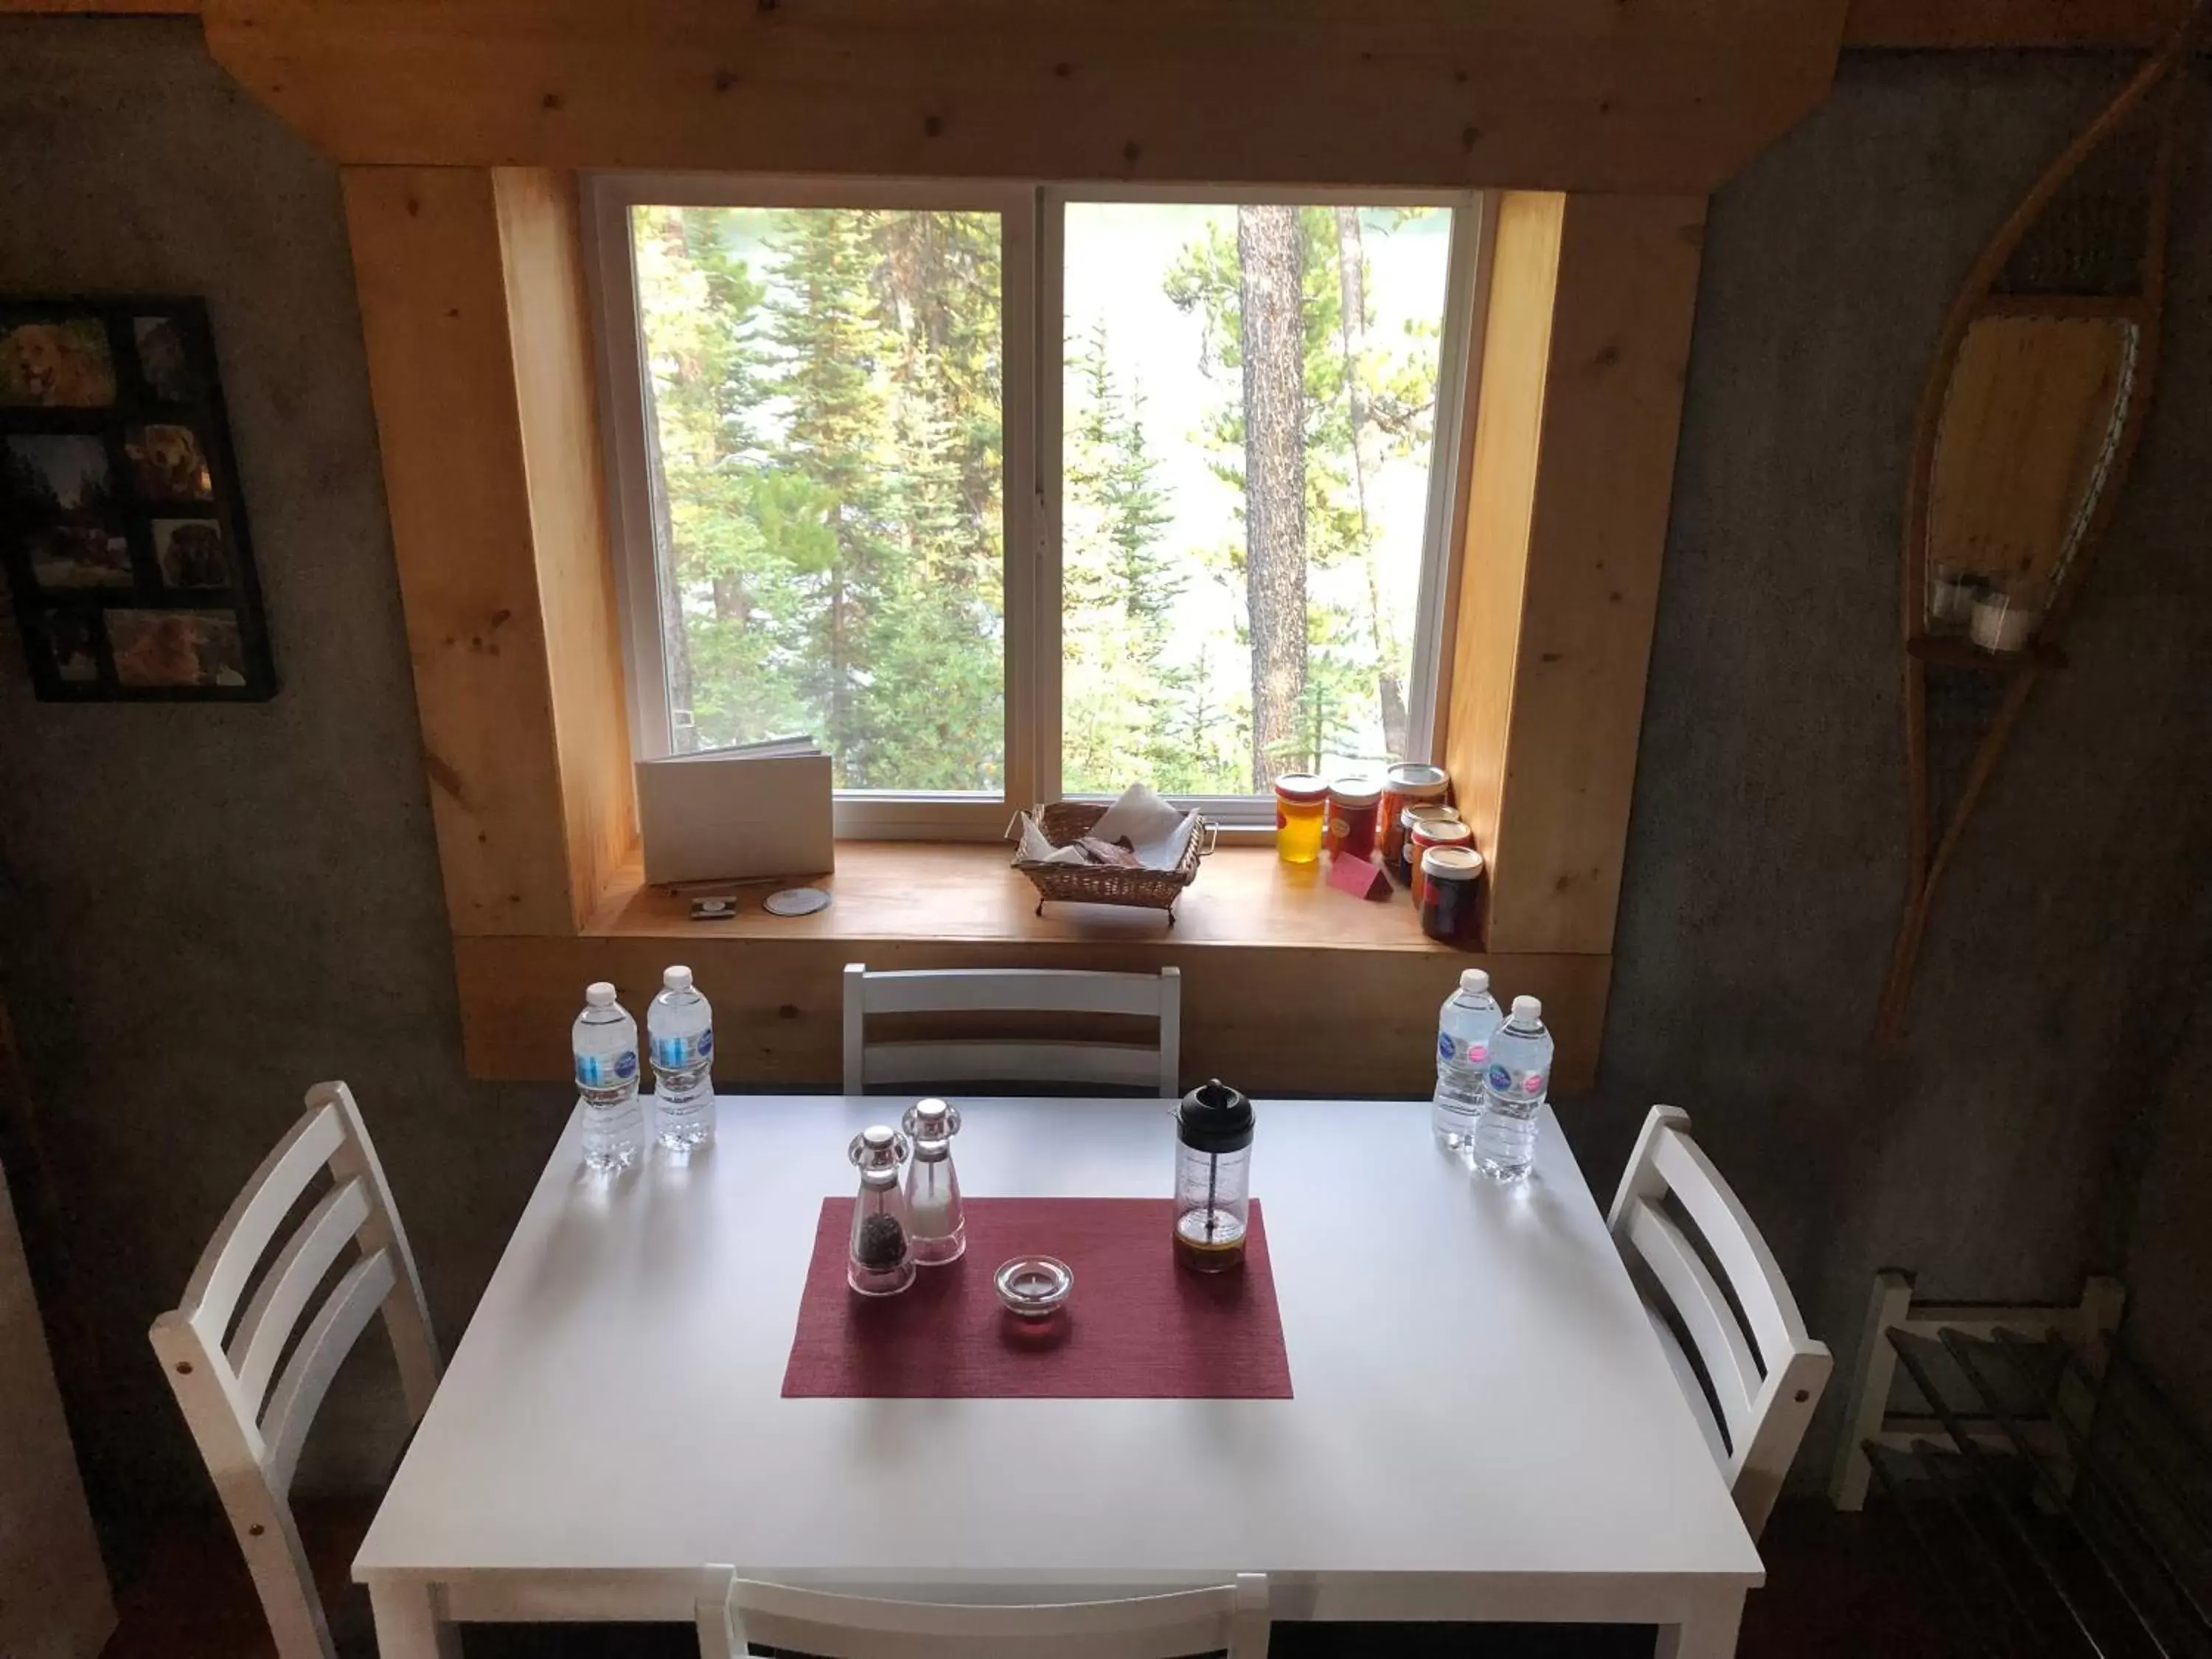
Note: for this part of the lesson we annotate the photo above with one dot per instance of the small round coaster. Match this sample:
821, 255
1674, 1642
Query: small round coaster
795, 902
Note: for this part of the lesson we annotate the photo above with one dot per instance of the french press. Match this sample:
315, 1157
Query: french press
1213, 1171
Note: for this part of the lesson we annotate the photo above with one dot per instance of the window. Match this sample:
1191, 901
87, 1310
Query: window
1188, 530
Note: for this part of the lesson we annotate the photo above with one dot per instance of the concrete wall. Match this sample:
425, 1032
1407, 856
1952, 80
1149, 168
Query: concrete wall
1995, 1153
207, 908
215, 906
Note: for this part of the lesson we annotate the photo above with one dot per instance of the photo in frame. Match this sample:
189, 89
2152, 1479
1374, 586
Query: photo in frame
123, 529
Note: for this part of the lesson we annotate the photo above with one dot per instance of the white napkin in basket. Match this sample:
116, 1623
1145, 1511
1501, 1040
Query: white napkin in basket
1155, 830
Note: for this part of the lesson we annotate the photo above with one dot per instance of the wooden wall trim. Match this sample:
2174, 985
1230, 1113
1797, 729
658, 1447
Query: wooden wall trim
1588, 341
1665, 95
1370, 1016
461, 271
549, 320
1877, 25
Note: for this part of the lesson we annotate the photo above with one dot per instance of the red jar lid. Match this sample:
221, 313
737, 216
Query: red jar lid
1440, 832
1303, 787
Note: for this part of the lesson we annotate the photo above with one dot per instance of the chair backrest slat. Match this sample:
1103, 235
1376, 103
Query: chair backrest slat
212, 1295
1703, 1309
1764, 1369
249, 1418
1012, 991
329, 1338
1115, 1065
1231, 1618
276, 1308
1769, 1310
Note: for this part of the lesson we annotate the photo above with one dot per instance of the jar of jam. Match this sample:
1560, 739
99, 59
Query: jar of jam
1425, 833
1410, 784
1451, 895
1301, 813
1402, 865
1353, 805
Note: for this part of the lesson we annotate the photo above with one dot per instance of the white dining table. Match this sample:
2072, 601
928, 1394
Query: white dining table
1484, 1426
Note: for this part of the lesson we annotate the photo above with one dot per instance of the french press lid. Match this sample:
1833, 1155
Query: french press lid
1215, 1118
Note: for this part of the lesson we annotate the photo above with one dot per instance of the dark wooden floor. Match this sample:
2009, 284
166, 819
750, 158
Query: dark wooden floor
1837, 1585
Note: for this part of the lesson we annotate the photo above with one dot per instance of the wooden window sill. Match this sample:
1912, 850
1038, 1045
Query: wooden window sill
902, 890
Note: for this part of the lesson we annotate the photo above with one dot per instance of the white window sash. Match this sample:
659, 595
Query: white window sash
1033, 223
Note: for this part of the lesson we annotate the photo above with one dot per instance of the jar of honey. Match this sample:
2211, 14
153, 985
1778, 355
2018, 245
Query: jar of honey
1301, 814
1451, 894
1410, 784
1353, 804
1425, 833
1402, 867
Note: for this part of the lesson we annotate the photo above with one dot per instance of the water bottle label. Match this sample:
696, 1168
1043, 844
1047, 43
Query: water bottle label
680, 1054
1444, 1046
1525, 1085
604, 1071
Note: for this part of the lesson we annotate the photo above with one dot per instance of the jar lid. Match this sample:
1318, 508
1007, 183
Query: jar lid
1450, 864
1412, 774
1441, 832
1430, 812
1215, 1118
931, 1119
878, 1146
1356, 792
1302, 787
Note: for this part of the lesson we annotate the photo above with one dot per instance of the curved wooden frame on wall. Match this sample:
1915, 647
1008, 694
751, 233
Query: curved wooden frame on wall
2113, 422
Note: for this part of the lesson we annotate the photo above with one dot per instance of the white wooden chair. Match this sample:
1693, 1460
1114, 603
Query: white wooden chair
250, 1419
1761, 1367
1231, 1618
1012, 990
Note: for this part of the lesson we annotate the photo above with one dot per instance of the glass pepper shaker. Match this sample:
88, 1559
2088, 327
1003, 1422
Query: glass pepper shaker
880, 1261
1213, 1171
935, 1222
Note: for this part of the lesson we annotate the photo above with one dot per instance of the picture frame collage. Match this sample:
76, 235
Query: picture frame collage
122, 529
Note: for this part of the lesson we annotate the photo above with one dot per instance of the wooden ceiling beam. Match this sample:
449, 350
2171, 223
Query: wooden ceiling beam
1664, 95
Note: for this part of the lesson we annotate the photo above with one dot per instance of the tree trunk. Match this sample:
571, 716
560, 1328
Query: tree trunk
1351, 274
1270, 254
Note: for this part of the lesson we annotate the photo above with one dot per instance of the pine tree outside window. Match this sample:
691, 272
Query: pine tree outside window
1003, 492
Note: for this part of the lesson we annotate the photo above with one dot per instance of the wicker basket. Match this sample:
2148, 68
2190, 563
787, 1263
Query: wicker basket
1067, 821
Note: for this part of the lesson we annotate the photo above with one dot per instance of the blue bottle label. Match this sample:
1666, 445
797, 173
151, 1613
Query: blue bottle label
1444, 1046
603, 1071
680, 1054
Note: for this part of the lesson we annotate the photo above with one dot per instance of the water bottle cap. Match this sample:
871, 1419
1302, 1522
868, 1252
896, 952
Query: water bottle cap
1527, 1008
598, 994
1474, 982
677, 979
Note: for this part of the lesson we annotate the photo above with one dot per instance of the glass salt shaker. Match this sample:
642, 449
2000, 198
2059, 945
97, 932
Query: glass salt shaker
880, 1262
935, 1222
1213, 1171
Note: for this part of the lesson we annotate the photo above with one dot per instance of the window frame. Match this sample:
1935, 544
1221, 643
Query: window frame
1033, 243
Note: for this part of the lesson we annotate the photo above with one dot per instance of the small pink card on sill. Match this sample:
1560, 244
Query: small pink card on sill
1361, 878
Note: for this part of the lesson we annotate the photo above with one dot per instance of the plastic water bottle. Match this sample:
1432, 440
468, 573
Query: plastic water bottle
1469, 1015
1520, 1077
604, 1039
681, 1024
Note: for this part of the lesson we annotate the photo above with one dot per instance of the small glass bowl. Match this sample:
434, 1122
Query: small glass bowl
1034, 1286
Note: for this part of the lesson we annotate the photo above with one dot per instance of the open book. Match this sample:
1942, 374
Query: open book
752, 810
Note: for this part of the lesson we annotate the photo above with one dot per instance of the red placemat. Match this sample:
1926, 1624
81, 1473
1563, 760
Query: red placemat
1137, 1327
